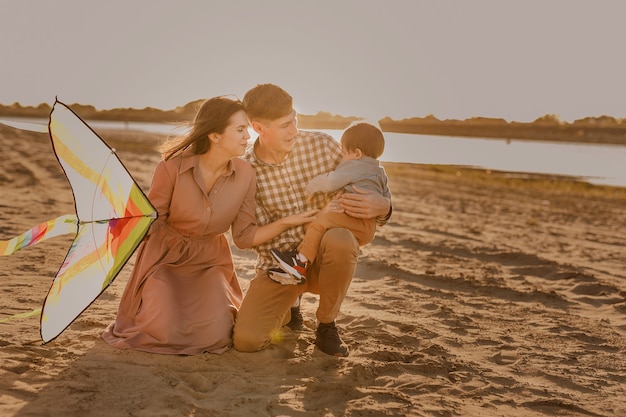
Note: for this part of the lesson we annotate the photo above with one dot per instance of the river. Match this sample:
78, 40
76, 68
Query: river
594, 163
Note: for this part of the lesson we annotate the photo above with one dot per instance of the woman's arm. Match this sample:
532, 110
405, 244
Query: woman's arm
270, 231
161, 189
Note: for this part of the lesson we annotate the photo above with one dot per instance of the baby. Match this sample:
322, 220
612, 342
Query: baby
362, 144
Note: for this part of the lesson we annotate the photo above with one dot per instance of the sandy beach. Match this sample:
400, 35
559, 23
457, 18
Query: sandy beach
487, 294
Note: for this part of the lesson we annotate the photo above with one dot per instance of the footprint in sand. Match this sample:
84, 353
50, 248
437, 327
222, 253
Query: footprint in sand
505, 356
196, 383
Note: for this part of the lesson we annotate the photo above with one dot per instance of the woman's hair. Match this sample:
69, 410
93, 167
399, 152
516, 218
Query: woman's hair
212, 117
366, 137
267, 102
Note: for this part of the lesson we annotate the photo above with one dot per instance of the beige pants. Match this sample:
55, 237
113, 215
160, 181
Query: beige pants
266, 304
362, 229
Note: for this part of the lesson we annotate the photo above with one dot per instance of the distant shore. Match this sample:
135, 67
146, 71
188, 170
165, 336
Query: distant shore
604, 129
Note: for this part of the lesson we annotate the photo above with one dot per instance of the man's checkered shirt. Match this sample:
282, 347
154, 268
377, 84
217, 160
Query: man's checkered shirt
280, 187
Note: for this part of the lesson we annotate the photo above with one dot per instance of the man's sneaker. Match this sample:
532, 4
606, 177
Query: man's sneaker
289, 262
282, 277
328, 340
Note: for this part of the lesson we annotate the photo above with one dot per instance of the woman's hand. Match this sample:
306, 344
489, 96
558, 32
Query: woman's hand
363, 204
299, 218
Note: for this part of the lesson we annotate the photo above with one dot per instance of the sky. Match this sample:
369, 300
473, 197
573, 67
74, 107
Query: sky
516, 60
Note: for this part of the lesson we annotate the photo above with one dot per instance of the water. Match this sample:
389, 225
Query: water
598, 164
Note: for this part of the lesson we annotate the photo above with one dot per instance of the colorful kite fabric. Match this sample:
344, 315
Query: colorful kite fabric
113, 215
62, 225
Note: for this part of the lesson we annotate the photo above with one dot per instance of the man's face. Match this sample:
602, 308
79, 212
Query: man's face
278, 134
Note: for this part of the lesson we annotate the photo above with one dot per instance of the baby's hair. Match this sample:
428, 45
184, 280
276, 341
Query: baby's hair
366, 137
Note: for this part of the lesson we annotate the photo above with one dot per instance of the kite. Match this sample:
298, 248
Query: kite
112, 217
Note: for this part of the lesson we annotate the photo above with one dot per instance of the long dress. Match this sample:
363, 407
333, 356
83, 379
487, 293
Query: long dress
183, 293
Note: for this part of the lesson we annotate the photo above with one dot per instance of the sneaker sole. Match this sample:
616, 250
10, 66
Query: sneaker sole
284, 279
288, 268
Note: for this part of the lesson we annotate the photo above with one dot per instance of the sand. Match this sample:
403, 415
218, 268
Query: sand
487, 294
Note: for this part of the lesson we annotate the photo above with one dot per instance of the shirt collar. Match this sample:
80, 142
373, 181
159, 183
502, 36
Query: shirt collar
251, 154
252, 157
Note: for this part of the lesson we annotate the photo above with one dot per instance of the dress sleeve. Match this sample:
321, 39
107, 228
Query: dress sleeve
244, 226
160, 194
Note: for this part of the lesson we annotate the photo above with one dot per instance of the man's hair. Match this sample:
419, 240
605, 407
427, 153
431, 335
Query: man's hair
267, 102
366, 137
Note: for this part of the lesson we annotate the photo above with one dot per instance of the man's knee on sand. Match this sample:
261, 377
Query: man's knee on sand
255, 341
250, 337
249, 341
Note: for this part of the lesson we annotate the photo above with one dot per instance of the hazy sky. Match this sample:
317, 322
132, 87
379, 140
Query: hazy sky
518, 60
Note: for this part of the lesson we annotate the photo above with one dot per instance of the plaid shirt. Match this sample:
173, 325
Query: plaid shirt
280, 187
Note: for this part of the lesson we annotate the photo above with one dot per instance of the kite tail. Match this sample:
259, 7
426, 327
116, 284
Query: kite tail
22, 315
62, 225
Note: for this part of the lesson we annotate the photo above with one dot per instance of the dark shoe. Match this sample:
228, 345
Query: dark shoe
290, 263
328, 340
281, 277
297, 321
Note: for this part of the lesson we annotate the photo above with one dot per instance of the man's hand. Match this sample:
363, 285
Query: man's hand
364, 204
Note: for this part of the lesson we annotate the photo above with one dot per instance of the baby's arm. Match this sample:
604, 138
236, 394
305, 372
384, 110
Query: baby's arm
333, 181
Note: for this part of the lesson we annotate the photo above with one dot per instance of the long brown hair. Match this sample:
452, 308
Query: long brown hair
212, 117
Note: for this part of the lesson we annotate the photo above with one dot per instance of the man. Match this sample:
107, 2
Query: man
285, 159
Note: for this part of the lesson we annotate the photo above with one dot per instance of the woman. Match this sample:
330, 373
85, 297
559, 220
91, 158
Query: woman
183, 293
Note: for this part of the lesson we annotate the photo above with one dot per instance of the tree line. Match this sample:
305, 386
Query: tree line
603, 129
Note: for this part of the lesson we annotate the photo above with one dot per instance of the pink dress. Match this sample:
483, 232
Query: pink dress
183, 293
